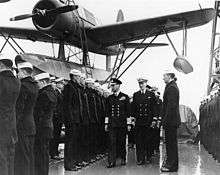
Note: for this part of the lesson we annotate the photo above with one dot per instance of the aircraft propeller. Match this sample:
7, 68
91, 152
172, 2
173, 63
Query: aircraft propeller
45, 12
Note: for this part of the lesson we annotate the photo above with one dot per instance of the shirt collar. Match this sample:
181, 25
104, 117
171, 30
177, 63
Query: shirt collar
143, 91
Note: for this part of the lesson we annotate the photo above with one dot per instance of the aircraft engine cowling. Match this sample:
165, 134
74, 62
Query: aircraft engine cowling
55, 24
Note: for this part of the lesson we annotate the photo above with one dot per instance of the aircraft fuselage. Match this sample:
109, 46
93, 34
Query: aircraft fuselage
70, 26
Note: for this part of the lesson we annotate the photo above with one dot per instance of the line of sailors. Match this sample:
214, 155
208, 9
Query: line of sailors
33, 110
209, 121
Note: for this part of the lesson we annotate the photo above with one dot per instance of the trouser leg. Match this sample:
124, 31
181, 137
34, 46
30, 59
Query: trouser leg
112, 146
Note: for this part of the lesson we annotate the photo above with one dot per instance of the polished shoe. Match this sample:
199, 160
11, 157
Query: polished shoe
165, 169
84, 164
56, 157
140, 163
71, 168
148, 161
123, 162
110, 165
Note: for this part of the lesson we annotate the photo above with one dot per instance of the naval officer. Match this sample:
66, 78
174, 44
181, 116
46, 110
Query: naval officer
116, 123
143, 107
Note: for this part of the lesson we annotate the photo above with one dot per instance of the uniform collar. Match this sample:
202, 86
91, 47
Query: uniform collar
8, 73
143, 91
171, 82
117, 93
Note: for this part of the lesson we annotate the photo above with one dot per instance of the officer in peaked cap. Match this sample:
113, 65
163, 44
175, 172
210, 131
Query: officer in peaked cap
43, 114
116, 123
24, 152
9, 92
143, 110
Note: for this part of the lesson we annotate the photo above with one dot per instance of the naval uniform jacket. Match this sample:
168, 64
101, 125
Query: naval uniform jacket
44, 111
171, 115
118, 110
92, 105
143, 108
25, 106
85, 107
72, 104
9, 92
58, 112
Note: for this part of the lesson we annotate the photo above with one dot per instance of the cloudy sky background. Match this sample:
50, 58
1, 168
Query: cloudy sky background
154, 61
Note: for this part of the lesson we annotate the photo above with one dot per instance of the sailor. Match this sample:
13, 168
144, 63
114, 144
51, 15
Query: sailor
9, 92
72, 121
156, 129
101, 118
43, 115
91, 94
57, 119
131, 134
84, 127
116, 123
143, 110
170, 122
24, 150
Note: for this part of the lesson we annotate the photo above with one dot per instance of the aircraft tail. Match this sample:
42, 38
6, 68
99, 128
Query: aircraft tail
120, 16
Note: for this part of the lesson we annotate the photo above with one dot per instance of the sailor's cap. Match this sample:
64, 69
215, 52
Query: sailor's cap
83, 75
52, 78
24, 65
75, 72
42, 76
96, 84
90, 80
142, 79
115, 81
6, 61
59, 80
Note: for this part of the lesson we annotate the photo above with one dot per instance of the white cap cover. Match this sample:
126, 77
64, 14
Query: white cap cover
25, 65
42, 76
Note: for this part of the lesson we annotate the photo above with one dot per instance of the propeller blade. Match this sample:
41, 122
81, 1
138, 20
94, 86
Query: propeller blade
60, 10
38, 12
21, 17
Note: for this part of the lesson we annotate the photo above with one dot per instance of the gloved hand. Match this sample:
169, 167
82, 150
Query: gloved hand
129, 128
153, 124
106, 128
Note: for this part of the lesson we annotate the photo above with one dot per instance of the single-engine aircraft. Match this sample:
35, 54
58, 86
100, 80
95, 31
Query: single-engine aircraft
65, 23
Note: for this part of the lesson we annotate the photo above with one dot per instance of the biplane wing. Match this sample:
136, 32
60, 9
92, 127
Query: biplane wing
122, 32
128, 31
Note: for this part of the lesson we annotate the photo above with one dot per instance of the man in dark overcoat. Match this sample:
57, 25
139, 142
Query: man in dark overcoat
43, 115
72, 120
170, 121
24, 150
9, 92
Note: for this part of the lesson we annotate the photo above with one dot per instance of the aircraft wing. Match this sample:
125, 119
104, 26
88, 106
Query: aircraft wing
28, 34
123, 32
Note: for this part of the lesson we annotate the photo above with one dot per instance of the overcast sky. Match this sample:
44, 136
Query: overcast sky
155, 61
